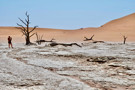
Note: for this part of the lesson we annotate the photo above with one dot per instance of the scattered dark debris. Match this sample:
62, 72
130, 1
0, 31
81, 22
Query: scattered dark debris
133, 50
88, 60
26, 84
100, 60
124, 67
127, 68
98, 42
114, 65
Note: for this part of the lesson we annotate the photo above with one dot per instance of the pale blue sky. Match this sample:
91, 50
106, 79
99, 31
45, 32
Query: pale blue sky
64, 14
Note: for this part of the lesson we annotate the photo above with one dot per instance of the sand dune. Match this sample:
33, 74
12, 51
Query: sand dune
111, 31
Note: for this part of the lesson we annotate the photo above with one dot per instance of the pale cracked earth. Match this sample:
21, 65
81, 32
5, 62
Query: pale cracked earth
101, 66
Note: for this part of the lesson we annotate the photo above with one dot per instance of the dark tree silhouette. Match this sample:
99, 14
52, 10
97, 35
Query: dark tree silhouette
40, 40
88, 39
91, 38
125, 38
26, 31
63, 44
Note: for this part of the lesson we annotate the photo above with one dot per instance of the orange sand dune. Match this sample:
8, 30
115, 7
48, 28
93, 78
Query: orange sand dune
111, 31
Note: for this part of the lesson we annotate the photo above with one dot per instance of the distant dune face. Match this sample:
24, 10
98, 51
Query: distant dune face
111, 31
122, 26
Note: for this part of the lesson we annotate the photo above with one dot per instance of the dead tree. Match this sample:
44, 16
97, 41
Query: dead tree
25, 29
88, 39
125, 38
39, 39
63, 44
52, 40
91, 38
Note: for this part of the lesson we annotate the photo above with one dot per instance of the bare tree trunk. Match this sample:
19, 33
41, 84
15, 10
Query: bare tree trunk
27, 40
125, 38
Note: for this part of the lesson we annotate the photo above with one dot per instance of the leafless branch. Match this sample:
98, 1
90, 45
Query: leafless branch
22, 21
33, 29
32, 35
88, 39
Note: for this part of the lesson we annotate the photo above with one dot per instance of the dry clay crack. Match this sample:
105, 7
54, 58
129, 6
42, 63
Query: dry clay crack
53, 70
90, 83
34, 83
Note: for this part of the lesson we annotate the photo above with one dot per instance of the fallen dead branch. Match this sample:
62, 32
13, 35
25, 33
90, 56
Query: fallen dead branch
91, 39
100, 60
45, 41
124, 67
98, 41
88, 39
63, 44
40, 40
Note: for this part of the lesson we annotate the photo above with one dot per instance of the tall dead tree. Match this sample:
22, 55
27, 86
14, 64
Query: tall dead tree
125, 38
26, 31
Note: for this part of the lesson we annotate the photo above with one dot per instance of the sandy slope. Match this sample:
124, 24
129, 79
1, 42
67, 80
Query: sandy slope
111, 31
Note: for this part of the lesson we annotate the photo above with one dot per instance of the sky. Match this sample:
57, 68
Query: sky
64, 14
